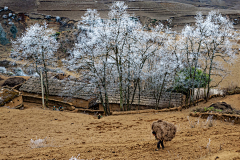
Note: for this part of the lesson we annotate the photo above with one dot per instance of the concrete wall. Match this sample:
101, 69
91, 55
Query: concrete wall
201, 93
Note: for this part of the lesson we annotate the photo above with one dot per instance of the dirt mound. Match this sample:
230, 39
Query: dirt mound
221, 105
11, 82
6, 95
234, 91
218, 107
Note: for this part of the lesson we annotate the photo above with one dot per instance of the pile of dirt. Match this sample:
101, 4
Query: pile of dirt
218, 107
221, 105
234, 91
11, 82
6, 95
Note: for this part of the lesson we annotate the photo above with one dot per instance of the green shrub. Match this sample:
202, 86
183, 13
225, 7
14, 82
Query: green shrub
57, 33
184, 79
210, 109
218, 110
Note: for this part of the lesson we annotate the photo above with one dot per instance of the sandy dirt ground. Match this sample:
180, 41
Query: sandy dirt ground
69, 135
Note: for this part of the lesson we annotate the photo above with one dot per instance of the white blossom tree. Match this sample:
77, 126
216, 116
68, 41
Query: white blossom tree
117, 54
91, 54
163, 67
219, 45
206, 46
37, 46
114, 52
190, 47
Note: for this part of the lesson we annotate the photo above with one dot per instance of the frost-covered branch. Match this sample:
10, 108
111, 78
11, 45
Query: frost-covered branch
37, 46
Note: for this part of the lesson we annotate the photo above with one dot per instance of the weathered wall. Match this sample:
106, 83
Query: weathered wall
116, 107
201, 93
177, 99
81, 103
57, 103
15, 103
148, 102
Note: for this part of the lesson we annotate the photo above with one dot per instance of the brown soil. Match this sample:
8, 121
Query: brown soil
114, 137
7, 95
3, 79
220, 108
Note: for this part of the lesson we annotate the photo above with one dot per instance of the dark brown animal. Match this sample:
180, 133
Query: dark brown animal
163, 131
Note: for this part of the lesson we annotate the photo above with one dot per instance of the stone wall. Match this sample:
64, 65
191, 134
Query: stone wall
79, 103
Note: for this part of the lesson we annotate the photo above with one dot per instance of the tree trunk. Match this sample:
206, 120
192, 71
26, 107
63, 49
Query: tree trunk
159, 95
46, 79
134, 91
208, 84
139, 94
